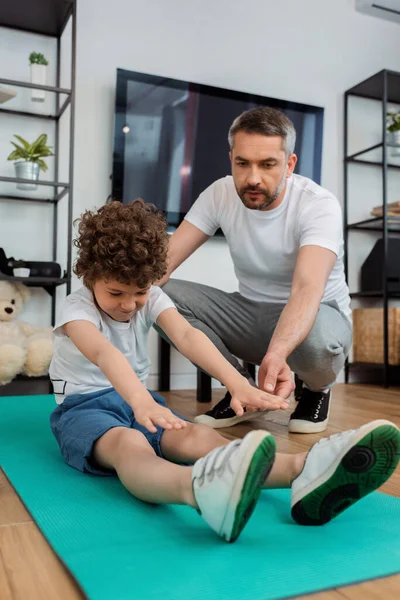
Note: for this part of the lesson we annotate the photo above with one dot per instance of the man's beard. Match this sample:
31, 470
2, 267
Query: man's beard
265, 200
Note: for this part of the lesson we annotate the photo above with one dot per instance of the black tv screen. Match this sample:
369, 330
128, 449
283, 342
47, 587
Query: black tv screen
171, 138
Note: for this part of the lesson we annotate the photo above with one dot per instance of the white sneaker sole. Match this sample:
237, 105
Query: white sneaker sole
302, 426
220, 423
356, 471
256, 463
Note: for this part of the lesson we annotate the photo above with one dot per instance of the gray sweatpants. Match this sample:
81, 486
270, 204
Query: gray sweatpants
241, 328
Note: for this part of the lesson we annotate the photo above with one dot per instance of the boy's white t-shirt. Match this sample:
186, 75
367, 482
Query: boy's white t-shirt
71, 372
264, 245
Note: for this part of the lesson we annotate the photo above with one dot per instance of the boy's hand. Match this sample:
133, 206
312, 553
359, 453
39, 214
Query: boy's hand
255, 399
152, 414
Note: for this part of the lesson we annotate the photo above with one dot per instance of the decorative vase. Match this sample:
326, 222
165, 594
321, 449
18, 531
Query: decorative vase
396, 142
21, 272
27, 170
38, 76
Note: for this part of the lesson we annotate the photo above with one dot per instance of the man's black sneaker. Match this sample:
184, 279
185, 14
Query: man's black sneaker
298, 390
222, 415
312, 412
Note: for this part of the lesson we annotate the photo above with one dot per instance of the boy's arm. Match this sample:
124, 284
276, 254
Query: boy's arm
196, 346
88, 339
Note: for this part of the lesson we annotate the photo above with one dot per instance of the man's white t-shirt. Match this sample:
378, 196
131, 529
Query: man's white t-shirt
264, 245
71, 372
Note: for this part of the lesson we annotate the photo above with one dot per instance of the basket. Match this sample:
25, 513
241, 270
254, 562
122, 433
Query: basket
368, 335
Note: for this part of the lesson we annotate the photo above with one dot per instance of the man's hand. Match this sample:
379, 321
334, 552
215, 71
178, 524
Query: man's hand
274, 375
251, 398
151, 414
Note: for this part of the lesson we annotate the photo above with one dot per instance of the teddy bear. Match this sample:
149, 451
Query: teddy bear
23, 348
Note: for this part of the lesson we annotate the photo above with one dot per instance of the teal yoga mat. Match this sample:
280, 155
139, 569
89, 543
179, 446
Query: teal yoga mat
120, 548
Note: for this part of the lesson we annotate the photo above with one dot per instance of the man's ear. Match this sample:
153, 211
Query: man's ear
291, 163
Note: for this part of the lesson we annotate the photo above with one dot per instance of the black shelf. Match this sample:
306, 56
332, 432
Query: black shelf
377, 294
378, 366
47, 17
370, 149
371, 163
49, 284
36, 281
385, 88
28, 378
54, 184
25, 113
374, 87
35, 86
22, 385
28, 199
376, 224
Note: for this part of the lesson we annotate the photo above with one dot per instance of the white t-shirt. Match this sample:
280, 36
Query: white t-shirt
264, 244
71, 372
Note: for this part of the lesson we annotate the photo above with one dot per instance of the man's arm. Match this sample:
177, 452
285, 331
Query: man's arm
186, 239
313, 267
196, 346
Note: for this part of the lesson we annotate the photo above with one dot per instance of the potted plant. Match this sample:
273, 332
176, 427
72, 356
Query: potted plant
30, 157
393, 129
38, 64
20, 269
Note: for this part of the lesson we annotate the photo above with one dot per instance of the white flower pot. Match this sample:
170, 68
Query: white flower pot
38, 76
396, 140
27, 170
21, 272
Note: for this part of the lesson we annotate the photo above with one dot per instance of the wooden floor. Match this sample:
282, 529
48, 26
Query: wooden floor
29, 570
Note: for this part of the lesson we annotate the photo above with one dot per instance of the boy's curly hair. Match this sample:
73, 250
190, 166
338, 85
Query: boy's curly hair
126, 242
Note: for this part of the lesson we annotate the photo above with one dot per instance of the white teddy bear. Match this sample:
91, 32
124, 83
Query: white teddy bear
23, 348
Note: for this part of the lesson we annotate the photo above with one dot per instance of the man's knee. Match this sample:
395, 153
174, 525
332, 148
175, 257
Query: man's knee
182, 294
321, 356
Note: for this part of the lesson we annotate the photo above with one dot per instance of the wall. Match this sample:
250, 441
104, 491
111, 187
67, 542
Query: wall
307, 52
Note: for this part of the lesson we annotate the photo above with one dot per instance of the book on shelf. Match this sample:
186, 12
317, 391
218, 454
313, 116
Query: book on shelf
393, 210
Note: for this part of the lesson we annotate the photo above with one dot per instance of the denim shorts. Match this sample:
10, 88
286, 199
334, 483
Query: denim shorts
82, 419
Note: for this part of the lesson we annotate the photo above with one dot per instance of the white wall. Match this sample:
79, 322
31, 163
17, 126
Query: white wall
309, 51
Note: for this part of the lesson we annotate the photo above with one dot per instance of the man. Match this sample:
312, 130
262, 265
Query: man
284, 233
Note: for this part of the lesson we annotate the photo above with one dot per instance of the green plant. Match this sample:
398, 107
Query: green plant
393, 122
32, 152
37, 58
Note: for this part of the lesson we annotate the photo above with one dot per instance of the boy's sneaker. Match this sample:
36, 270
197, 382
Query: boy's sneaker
228, 480
343, 468
312, 412
222, 415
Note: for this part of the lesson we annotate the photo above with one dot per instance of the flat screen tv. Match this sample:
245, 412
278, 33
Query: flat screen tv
170, 140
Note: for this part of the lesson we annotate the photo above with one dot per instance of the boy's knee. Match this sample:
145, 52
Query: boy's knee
195, 434
119, 441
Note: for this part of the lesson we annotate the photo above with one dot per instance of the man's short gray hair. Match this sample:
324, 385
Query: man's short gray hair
265, 121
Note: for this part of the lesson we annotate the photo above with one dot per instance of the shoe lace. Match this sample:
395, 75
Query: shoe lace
216, 461
313, 400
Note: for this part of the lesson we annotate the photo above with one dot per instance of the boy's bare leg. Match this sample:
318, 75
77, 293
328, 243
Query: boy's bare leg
189, 444
144, 474
224, 486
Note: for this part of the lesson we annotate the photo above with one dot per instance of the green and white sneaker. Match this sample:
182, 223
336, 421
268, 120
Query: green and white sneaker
342, 469
228, 480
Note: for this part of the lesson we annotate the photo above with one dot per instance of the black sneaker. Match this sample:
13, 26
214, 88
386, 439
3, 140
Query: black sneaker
222, 415
298, 390
312, 412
